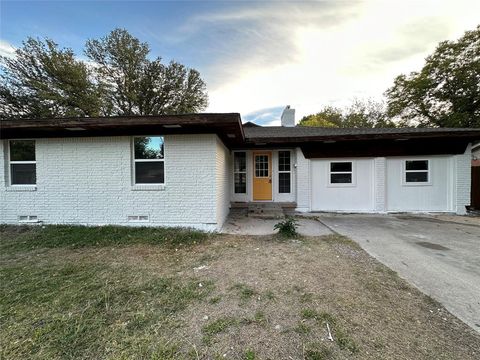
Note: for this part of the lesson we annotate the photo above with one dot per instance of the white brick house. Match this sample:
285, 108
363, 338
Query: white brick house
187, 170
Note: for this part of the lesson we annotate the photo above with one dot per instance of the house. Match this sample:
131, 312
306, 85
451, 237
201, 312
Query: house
475, 193
187, 170
476, 154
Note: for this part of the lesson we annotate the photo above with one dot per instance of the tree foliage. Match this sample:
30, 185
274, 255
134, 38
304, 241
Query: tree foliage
45, 81
119, 79
360, 114
446, 91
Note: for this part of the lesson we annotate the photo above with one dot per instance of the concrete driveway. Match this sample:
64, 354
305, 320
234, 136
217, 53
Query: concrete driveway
439, 255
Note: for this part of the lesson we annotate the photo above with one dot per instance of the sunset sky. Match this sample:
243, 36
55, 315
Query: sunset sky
257, 57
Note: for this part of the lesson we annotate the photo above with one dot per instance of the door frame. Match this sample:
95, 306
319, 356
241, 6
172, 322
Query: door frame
270, 173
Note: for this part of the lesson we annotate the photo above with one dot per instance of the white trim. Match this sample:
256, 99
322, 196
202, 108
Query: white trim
417, 183
10, 162
147, 186
284, 171
352, 173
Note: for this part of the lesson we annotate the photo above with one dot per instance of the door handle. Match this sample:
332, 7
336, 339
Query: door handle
270, 180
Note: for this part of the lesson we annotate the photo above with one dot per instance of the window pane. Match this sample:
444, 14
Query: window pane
416, 165
22, 150
149, 147
240, 183
23, 174
284, 161
341, 178
240, 161
340, 166
261, 166
414, 176
149, 172
284, 183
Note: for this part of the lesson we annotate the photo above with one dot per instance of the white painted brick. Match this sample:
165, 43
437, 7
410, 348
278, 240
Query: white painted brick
89, 181
380, 178
303, 182
463, 180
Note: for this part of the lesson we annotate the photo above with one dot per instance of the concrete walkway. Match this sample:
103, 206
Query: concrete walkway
239, 223
439, 255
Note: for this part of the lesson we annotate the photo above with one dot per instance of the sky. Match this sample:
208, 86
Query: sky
259, 56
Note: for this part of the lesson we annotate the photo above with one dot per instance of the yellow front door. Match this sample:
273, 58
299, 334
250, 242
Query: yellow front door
262, 175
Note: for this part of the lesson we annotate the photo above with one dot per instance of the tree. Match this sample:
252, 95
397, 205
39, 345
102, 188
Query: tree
446, 91
329, 116
360, 114
137, 85
45, 81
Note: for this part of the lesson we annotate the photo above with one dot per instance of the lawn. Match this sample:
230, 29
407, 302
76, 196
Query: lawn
121, 293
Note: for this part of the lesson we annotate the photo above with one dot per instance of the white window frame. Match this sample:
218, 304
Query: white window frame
240, 172
418, 183
10, 162
147, 160
353, 173
283, 171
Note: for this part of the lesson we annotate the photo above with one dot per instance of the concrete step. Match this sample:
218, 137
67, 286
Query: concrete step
266, 211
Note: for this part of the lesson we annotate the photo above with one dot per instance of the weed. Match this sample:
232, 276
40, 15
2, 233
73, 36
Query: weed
345, 342
249, 355
302, 329
245, 292
287, 227
216, 327
215, 300
323, 317
317, 351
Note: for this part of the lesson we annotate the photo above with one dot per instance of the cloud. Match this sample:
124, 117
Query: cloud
313, 54
265, 117
6, 49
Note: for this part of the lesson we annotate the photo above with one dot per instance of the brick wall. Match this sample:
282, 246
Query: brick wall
303, 182
223, 176
463, 180
379, 188
89, 181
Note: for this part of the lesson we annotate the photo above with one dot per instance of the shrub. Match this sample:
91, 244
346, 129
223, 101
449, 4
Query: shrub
287, 227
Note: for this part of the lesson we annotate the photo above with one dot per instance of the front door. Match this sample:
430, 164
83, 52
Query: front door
262, 175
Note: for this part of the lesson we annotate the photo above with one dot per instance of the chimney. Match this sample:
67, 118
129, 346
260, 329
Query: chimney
288, 117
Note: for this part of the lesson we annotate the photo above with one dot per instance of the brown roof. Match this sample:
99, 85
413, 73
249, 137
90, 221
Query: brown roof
227, 126
311, 133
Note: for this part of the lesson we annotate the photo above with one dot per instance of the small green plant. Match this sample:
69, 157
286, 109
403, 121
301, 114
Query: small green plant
244, 291
287, 227
216, 327
249, 355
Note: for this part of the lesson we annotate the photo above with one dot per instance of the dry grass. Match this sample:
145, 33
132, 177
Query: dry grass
242, 297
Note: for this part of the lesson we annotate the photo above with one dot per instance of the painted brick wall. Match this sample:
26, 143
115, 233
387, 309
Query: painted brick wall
463, 180
89, 181
380, 178
303, 182
223, 175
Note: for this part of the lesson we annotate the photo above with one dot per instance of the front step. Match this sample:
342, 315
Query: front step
266, 211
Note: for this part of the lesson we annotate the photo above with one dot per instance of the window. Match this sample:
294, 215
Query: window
23, 167
240, 172
284, 169
261, 166
416, 172
341, 172
149, 167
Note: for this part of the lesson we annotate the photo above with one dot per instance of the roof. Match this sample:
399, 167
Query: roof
227, 126
311, 133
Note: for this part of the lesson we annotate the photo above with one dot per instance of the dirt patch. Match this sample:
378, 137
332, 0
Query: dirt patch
267, 298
